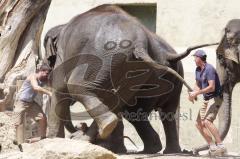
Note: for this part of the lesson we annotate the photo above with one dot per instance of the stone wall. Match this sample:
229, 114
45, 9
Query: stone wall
180, 22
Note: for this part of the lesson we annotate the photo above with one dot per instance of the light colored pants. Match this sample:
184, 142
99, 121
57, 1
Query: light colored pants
32, 109
209, 109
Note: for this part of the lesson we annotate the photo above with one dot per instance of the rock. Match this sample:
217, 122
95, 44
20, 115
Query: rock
59, 148
56, 148
7, 132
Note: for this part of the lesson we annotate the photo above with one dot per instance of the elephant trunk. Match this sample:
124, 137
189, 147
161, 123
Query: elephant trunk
225, 114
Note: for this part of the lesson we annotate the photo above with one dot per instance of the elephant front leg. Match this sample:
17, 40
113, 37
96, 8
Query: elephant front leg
104, 118
115, 142
171, 133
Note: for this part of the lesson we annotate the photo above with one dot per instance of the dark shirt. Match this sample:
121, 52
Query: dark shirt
205, 75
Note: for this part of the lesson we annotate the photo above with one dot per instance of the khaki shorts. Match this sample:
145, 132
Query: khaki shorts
32, 110
209, 109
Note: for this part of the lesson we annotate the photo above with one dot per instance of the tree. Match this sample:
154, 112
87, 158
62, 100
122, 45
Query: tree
21, 24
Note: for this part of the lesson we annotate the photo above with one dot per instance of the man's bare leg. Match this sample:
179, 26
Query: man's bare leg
43, 127
42, 131
220, 149
204, 132
214, 131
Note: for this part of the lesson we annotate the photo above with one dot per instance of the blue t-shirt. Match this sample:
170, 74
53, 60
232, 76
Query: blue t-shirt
205, 75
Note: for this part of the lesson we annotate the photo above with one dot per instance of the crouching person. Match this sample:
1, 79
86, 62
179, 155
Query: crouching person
25, 103
208, 84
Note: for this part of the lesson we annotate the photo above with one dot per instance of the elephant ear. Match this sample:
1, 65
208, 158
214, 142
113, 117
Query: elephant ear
51, 51
220, 48
223, 51
231, 55
50, 47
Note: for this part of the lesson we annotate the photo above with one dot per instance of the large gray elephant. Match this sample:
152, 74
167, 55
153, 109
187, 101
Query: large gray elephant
228, 68
104, 59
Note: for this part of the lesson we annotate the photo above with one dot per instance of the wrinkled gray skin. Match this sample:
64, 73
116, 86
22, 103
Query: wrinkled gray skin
228, 68
114, 37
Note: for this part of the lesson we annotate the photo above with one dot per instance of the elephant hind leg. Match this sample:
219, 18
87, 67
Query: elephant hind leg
57, 115
171, 133
149, 136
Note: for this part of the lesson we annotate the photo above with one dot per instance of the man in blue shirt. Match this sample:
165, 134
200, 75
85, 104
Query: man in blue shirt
208, 84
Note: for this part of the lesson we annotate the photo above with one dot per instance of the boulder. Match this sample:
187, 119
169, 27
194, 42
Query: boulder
55, 148
59, 148
7, 132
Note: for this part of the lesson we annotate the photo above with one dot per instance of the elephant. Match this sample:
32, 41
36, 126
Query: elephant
112, 64
228, 69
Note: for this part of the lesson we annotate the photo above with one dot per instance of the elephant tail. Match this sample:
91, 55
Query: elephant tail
67, 120
141, 53
131, 141
177, 57
157, 44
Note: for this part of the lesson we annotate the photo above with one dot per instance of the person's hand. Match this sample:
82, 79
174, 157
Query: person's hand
193, 94
50, 94
190, 98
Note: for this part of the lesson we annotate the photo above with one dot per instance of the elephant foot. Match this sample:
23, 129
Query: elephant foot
108, 124
118, 148
110, 146
151, 149
152, 146
172, 149
121, 149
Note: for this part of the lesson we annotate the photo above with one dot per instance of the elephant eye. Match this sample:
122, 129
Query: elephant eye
238, 38
237, 41
227, 30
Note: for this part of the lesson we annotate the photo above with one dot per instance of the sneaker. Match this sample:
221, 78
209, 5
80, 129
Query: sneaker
220, 151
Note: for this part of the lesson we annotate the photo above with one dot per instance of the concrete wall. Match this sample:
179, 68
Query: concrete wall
182, 23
